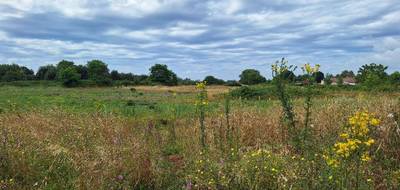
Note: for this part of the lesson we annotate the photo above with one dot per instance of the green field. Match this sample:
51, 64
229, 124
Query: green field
148, 137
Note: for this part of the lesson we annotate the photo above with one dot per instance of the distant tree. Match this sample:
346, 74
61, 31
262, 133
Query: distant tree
347, 73
372, 73
115, 75
211, 80
232, 83
187, 81
161, 74
14, 72
97, 70
328, 79
13, 75
318, 76
301, 78
395, 78
288, 76
70, 77
251, 76
47, 72
339, 81
61, 66
83, 71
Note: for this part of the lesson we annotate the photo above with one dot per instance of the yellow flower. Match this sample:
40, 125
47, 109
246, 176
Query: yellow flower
330, 177
375, 122
201, 85
365, 157
344, 135
369, 142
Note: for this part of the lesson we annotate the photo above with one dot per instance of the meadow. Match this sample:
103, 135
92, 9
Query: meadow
209, 137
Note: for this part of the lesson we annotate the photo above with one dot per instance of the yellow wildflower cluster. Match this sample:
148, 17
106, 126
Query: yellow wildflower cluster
355, 141
308, 69
201, 85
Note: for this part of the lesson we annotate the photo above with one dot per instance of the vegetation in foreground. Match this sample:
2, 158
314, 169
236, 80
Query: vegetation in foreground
295, 137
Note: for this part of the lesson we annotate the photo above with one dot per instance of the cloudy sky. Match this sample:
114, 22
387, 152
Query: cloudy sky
201, 37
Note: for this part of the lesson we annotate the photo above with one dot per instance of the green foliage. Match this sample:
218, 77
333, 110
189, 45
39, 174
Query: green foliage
288, 76
251, 76
318, 76
83, 71
211, 80
97, 70
372, 74
61, 66
232, 83
70, 77
347, 73
15, 72
395, 78
161, 74
328, 79
47, 72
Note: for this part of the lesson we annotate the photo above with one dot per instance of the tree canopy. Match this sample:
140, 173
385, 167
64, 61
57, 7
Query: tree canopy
251, 76
161, 74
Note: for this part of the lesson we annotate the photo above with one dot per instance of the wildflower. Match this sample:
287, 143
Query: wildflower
344, 135
375, 122
201, 85
369, 142
365, 157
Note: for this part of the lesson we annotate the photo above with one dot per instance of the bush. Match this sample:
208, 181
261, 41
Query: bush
69, 77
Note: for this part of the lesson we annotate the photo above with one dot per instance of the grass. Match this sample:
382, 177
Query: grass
149, 138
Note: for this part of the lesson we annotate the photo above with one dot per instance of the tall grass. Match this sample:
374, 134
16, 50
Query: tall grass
246, 148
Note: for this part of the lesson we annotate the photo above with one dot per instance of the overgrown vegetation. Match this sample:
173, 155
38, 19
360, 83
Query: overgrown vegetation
268, 136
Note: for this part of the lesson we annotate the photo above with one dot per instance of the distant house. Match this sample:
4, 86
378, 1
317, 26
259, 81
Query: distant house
346, 81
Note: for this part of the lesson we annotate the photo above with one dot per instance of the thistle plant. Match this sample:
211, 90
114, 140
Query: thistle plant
201, 103
280, 83
309, 72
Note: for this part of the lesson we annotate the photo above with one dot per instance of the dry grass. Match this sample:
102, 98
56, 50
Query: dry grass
111, 152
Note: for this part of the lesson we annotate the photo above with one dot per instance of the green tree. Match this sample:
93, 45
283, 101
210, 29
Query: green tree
347, 73
395, 78
14, 72
61, 66
318, 76
328, 79
161, 74
97, 70
47, 72
83, 71
211, 80
115, 75
372, 73
70, 77
288, 76
251, 76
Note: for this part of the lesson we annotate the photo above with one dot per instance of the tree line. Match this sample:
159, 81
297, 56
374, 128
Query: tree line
96, 72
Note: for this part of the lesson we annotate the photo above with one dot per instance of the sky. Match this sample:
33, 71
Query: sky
196, 38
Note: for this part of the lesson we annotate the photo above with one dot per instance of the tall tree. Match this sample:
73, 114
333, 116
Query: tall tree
62, 65
47, 72
372, 71
97, 70
161, 74
212, 80
251, 76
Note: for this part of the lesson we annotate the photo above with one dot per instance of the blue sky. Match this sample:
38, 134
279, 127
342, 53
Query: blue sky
198, 38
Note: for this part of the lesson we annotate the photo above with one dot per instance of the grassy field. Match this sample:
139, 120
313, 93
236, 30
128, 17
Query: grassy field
148, 137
